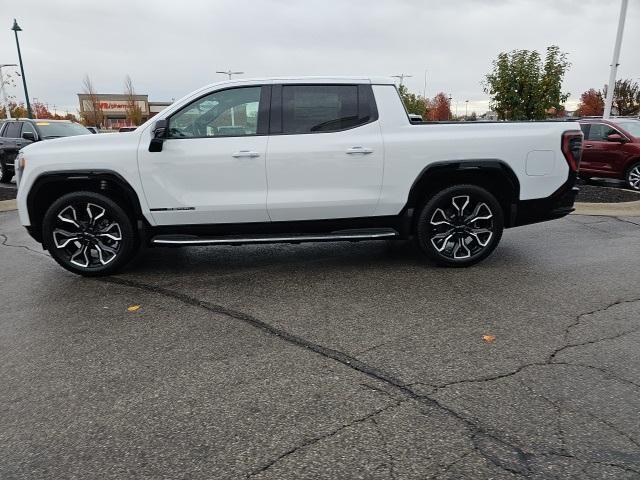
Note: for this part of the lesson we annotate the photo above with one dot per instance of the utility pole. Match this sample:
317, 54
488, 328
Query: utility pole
16, 28
7, 110
229, 73
466, 112
616, 57
401, 77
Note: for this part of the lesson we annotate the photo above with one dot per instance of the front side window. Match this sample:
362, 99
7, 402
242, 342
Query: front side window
631, 126
27, 127
599, 132
324, 108
227, 113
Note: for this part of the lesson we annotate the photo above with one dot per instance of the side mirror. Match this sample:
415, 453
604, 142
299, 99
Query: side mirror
159, 133
614, 137
29, 136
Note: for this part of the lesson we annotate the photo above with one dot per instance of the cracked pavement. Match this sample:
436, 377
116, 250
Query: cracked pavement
327, 361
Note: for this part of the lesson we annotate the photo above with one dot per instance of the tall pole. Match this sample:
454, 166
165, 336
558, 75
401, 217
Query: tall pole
401, 77
16, 28
616, 57
7, 110
229, 73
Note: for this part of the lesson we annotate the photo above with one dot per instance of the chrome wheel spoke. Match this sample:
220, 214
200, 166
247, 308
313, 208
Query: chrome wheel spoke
440, 240
481, 212
440, 218
105, 254
95, 212
81, 254
460, 203
111, 231
481, 235
461, 250
62, 238
68, 215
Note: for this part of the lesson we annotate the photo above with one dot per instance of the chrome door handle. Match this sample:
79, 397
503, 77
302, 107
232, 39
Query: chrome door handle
588, 145
245, 153
361, 150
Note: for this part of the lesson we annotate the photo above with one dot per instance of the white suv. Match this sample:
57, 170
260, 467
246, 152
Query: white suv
294, 160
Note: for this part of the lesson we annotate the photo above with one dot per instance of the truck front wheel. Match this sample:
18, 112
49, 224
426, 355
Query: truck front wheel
459, 226
88, 234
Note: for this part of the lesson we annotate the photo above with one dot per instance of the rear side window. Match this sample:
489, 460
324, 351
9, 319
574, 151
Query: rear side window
12, 130
324, 108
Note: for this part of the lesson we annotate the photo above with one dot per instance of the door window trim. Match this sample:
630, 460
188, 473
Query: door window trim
275, 124
263, 113
606, 125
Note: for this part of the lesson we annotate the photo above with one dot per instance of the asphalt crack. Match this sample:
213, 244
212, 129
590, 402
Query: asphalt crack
312, 441
5, 243
484, 442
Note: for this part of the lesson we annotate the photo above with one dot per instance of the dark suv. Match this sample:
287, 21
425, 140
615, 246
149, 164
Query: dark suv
611, 149
16, 133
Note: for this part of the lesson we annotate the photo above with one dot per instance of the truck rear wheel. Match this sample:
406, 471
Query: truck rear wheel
5, 173
459, 226
88, 233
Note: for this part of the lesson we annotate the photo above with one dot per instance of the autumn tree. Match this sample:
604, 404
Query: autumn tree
439, 108
93, 115
591, 104
134, 112
524, 87
626, 97
17, 110
41, 110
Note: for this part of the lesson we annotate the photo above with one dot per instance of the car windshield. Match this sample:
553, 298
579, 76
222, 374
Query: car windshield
61, 129
631, 126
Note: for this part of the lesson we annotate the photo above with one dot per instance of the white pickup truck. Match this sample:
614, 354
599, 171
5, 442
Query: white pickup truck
294, 160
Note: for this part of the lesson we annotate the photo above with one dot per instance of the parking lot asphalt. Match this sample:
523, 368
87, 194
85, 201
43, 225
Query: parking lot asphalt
336, 361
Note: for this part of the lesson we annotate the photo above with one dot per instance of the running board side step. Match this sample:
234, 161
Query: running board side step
348, 235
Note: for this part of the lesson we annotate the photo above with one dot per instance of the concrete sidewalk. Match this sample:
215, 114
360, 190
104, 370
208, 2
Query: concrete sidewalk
623, 209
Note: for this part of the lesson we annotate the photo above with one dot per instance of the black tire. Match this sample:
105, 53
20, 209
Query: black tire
632, 178
89, 234
5, 174
447, 233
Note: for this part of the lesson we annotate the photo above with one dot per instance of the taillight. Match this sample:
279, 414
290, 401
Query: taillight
572, 148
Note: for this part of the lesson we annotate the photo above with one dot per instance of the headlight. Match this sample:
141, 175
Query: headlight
20, 164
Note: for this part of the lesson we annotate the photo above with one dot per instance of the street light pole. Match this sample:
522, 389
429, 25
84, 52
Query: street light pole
401, 77
7, 110
16, 28
616, 57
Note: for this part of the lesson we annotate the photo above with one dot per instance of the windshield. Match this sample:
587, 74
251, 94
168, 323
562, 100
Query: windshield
60, 129
631, 126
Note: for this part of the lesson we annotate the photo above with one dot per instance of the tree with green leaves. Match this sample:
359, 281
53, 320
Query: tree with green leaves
524, 87
626, 97
412, 102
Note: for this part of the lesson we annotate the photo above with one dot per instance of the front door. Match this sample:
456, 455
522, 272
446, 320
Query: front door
212, 165
600, 155
325, 155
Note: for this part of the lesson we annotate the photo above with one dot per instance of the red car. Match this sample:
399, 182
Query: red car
611, 149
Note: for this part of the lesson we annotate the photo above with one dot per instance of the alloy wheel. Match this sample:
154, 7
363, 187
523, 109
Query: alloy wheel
461, 228
634, 177
86, 235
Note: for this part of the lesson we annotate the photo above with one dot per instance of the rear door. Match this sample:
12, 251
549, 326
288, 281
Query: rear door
325, 154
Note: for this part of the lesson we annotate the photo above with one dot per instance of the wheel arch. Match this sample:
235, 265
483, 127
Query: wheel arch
52, 185
492, 174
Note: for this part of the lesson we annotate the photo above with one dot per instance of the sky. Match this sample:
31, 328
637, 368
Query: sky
170, 48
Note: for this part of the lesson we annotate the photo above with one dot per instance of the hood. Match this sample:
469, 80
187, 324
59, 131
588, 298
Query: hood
83, 142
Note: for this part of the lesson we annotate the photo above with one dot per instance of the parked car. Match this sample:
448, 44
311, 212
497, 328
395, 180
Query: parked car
611, 150
295, 160
126, 129
15, 134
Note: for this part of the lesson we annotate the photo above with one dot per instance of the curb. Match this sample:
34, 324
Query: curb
8, 205
622, 209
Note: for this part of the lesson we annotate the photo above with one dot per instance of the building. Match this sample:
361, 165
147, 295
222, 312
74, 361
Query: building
114, 108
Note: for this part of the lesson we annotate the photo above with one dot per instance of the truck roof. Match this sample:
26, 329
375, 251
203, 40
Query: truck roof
313, 79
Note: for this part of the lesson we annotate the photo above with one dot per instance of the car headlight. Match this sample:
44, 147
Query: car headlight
20, 164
